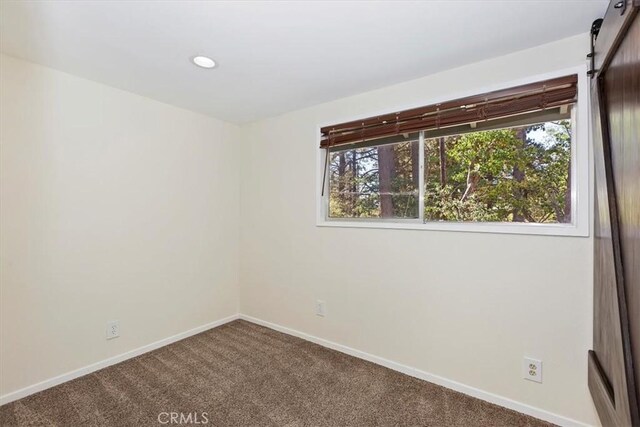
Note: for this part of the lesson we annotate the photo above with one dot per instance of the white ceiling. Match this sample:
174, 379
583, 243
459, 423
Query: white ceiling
276, 56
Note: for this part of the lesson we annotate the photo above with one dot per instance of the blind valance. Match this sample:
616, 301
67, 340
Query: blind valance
528, 98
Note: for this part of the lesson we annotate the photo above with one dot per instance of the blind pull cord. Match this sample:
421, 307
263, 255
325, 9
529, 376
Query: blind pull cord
326, 163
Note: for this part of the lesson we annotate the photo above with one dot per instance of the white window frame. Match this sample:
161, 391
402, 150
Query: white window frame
580, 175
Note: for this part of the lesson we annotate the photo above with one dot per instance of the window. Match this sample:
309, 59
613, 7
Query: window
517, 174
375, 182
511, 167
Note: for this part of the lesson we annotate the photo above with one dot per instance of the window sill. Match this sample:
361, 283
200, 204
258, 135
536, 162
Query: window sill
471, 227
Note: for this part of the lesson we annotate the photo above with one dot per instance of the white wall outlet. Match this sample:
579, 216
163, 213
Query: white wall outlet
321, 308
113, 329
532, 369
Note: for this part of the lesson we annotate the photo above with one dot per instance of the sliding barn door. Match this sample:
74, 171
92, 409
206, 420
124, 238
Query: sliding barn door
614, 362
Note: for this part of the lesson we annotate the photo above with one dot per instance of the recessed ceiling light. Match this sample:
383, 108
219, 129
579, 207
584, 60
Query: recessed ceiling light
204, 61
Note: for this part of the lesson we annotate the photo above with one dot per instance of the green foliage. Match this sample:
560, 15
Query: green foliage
517, 174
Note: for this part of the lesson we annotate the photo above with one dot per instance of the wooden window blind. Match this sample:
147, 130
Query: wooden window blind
522, 100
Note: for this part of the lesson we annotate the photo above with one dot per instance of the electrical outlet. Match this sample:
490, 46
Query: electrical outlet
532, 369
113, 329
321, 308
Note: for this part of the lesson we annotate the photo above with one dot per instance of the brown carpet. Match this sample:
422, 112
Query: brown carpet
241, 374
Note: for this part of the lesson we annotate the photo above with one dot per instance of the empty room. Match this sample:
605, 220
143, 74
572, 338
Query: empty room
320, 213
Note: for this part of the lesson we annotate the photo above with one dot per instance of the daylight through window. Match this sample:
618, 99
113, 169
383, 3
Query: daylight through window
518, 174
375, 182
441, 164
515, 174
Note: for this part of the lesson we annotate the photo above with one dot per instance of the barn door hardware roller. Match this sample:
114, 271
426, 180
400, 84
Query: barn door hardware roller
595, 29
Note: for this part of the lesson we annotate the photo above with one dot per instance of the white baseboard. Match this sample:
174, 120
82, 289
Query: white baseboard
43, 385
426, 376
417, 373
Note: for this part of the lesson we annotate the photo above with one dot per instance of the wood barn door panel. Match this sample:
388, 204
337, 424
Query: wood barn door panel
607, 366
614, 362
622, 85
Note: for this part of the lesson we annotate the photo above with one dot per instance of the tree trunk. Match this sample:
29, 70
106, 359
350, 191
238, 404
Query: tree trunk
443, 162
342, 171
342, 179
519, 177
353, 199
473, 177
385, 170
415, 163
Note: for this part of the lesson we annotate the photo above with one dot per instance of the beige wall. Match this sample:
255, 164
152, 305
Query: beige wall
113, 206
464, 306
